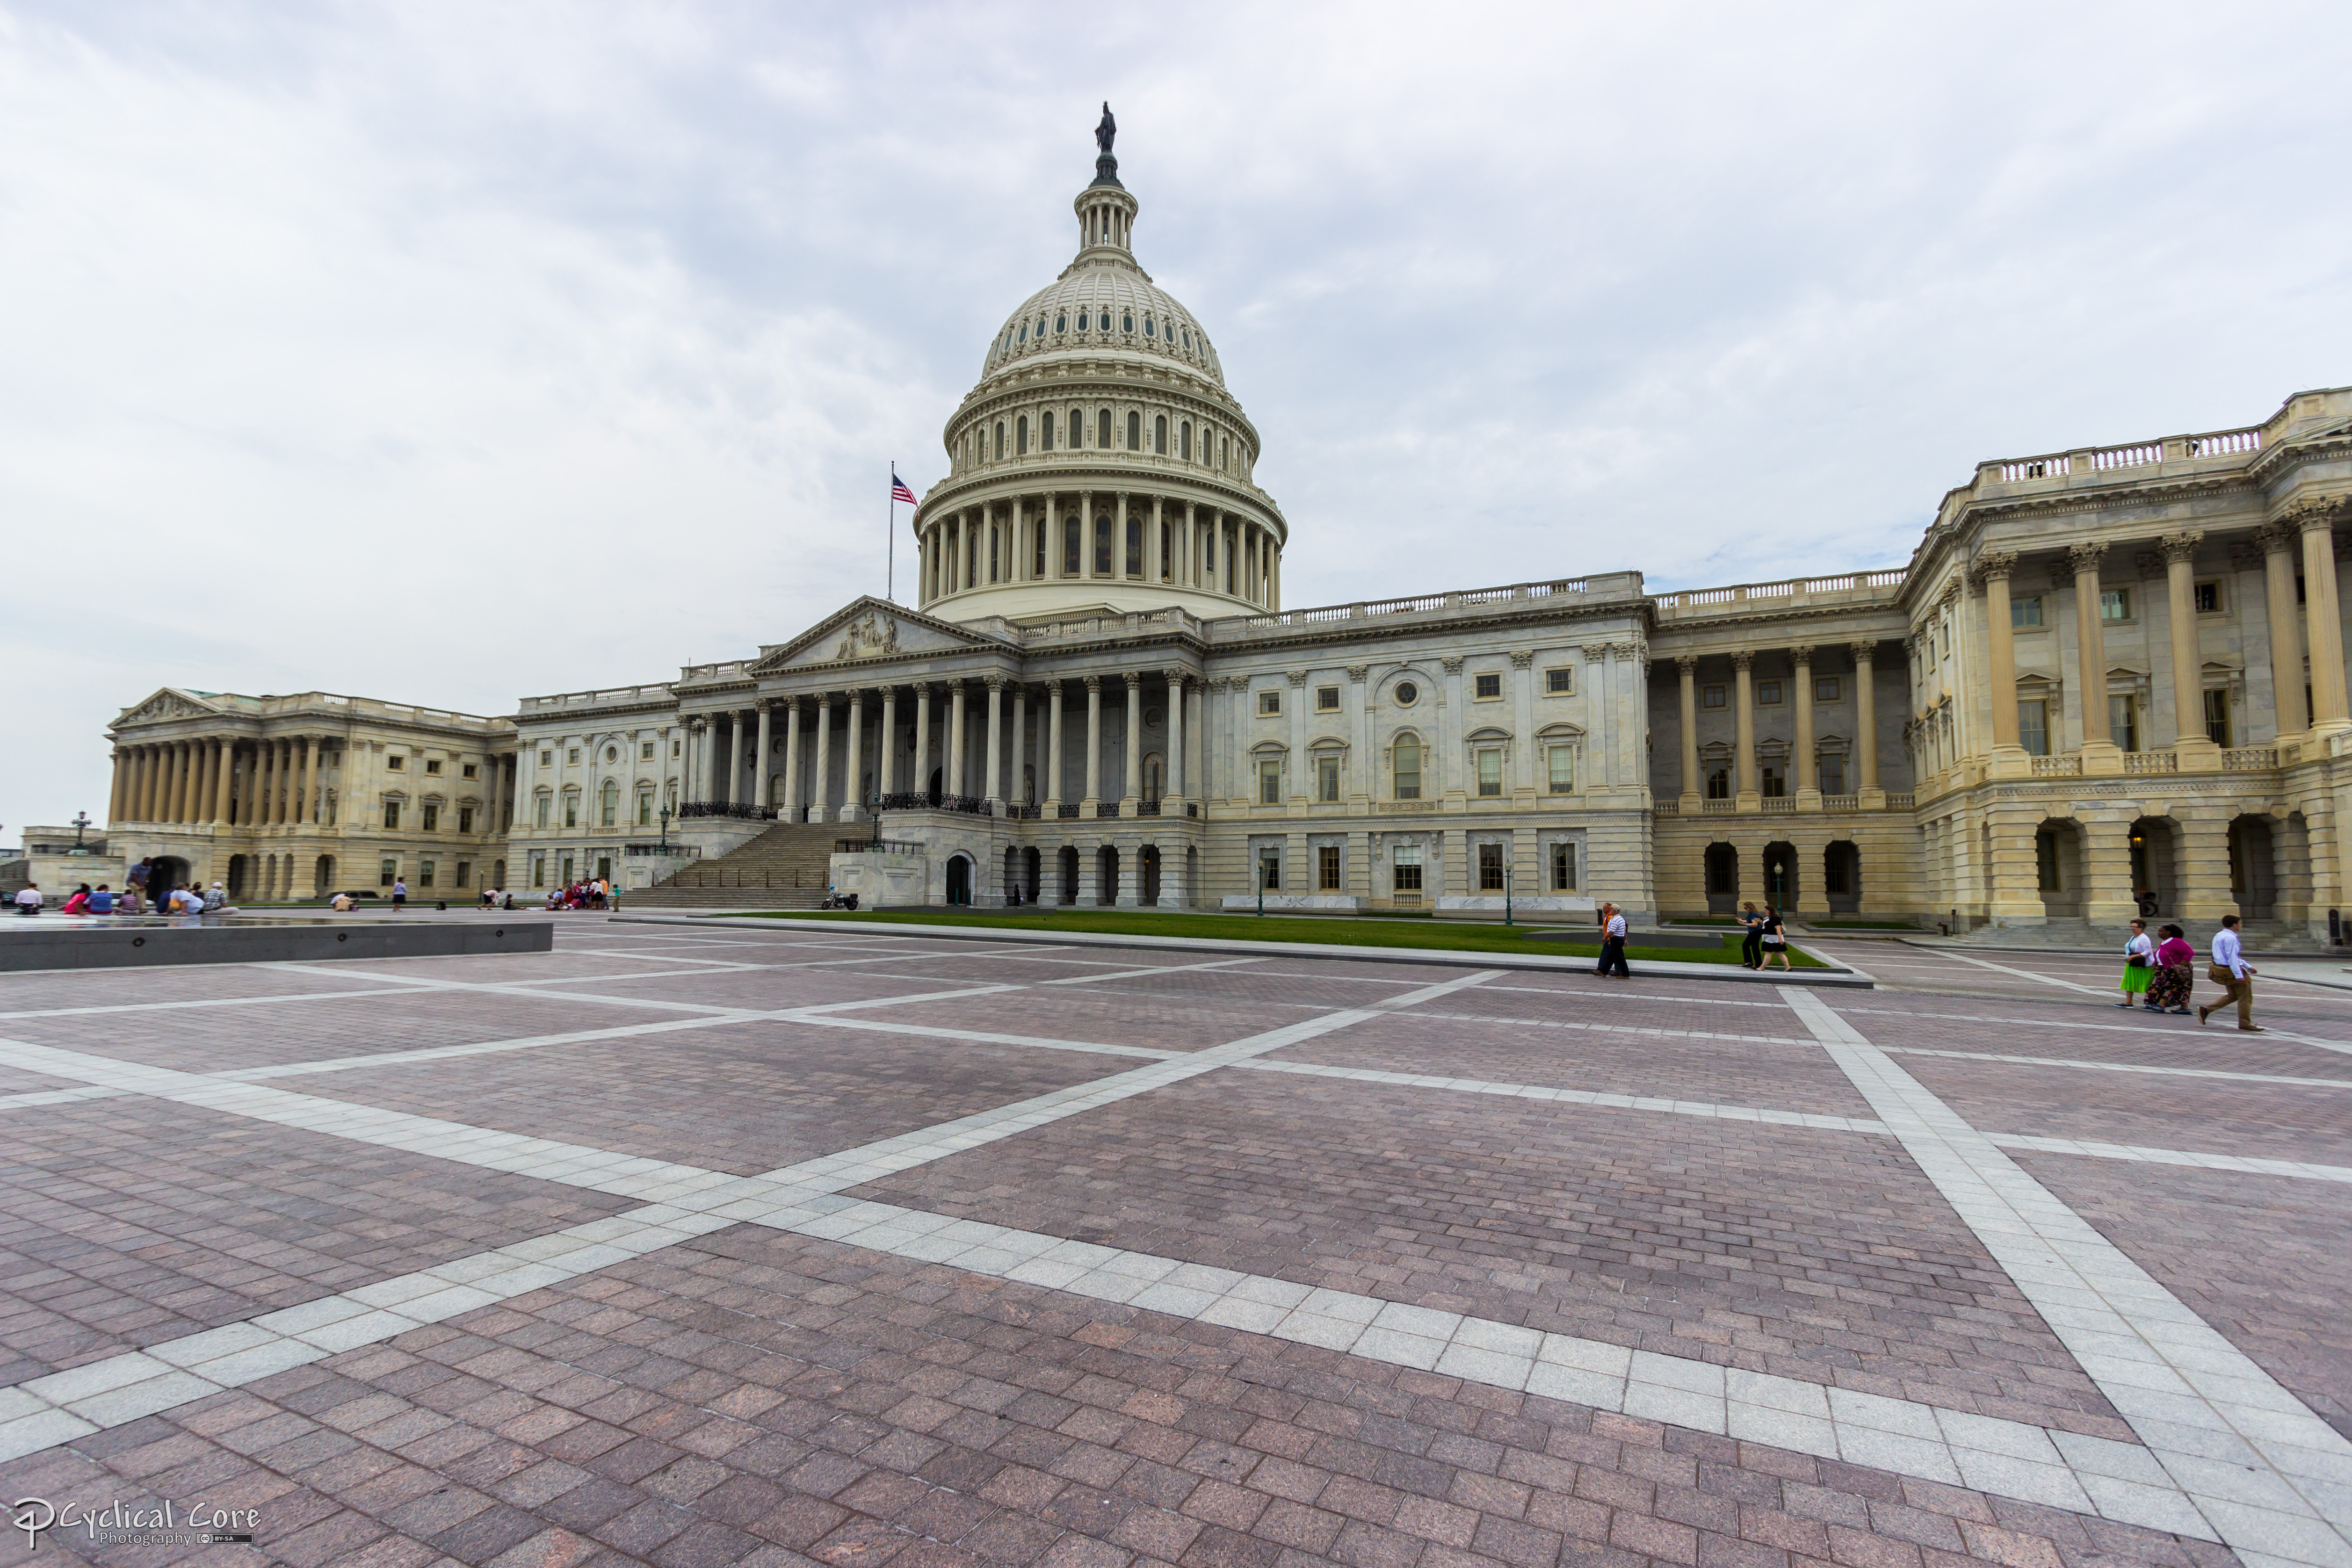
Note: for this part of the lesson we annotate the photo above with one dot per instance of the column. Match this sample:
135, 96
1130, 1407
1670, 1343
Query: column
821, 803
1157, 546
1093, 799
1053, 749
310, 811
2323, 619
994, 791
1809, 781
115, 786
1992, 570
1014, 788
763, 792
2099, 753
1118, 538
1274, 572
922, 737
1086, 533
1747, 796
852, 772
1177, 791
699, 741
288, 783
2286, 636
1865, 726
134, 802
1051, 522
2194, 749
1021, 551
957, 783
887, 783
1134, 794
496, 809
1188, 574
192, 781
1693, 785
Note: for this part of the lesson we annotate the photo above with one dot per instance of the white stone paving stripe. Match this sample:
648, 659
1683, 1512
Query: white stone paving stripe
2340, 1047
2250, 1164
2273, 1479
2122, 1067
1576, 1097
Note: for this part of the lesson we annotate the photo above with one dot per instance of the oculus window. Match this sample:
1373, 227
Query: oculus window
1407, 694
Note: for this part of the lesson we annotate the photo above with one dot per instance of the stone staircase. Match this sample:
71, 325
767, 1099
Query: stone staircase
784, 868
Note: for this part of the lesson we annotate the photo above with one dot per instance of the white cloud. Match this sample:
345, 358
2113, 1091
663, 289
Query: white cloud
445, 354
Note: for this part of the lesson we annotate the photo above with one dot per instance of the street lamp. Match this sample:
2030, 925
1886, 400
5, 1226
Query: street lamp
1507, 895
664, 827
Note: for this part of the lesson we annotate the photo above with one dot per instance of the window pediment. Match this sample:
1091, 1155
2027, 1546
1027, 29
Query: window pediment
1561, 731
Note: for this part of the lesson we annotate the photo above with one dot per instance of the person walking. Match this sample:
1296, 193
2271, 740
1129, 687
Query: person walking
2169, 988
1772, 940
2234, 975
399, 893
1612, 944
1751, 946
2140, 964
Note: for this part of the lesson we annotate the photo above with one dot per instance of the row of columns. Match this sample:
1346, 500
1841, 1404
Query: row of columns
1205, 548
758, 722
2308, 529
227, 782
1747, 788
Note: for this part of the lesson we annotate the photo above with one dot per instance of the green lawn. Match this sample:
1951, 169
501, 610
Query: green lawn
1443, 933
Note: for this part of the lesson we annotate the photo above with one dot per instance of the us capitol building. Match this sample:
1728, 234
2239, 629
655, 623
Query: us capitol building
2109, 676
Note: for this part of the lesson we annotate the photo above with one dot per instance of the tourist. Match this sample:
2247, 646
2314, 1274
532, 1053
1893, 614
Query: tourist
2169, 988
187, 900
399, 893
215, 899
103, 900
343, 903
2234, 975
79, 902
129, 904
2140, 964
139, 874
1751, 947
1772, 941
1612, 944
28, 899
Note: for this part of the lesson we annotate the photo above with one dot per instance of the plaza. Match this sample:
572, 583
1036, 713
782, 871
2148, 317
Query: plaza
716, 1242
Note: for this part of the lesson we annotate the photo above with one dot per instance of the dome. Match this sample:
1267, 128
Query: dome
1099, 465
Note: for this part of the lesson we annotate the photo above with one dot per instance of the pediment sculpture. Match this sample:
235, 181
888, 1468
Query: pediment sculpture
877, 634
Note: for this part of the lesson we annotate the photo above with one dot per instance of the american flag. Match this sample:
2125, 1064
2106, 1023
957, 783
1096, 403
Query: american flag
899, 491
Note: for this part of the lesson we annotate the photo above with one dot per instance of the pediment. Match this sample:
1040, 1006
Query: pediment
870, 629
169, 702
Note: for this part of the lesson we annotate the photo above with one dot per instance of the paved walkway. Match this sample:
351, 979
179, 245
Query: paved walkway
699, 1246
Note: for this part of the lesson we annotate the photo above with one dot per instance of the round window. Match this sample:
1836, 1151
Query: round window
1406, 693
611, 755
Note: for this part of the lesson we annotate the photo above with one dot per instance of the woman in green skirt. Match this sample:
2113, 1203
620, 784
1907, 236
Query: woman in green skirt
2140, 964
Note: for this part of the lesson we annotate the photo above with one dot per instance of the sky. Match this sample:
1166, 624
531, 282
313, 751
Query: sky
448, 353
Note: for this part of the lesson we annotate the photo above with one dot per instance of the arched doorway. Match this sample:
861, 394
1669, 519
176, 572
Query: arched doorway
1150, 859
2254, 874
1106, 876
1192, 872
1069, 859
934, 792
1780, 876
960, 880
2058, 867
2152, 861
165, 873
1016, 887
1842, 877
240, 872
1030, 866
1722, 879
322, 876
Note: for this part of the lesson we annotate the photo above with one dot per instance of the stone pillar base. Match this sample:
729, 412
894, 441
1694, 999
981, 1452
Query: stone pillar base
2102, 758
2009, 762
2197, 754
1747, 800
1688, 802
1809, 799
1872, 799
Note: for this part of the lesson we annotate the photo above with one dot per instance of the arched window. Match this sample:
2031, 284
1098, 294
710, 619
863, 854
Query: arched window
1225, 451
1078, 427
1407, 758
1021, 436
1102, 425
1160, 435
1148, 331
1061, 323
992, 551
1071, 547
1000, 439
1134, 431
608, 810
1184, 442
1103, 320
1024, 333
1102, 545
1134, 545
1045, 431
1127, 321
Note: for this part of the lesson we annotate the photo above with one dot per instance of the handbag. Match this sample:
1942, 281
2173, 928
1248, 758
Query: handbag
2134, 960
2220, 975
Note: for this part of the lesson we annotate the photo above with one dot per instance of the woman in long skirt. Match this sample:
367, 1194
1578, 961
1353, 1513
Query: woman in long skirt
2175, 976
2140, 964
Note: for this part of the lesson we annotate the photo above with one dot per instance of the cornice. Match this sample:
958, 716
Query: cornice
1331, 633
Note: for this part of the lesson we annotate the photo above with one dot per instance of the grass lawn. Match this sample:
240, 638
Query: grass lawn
1463, 937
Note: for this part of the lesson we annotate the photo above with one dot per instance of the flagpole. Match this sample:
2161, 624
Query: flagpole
890, 583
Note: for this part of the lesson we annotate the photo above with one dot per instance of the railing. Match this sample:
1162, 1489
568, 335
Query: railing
1022, 813
1667, 807
2226, 444
1841, 802
1067, 808
1788, 587
1772, 805
1106, 808
2138, 456
2067, 767
876, 846
2135, 455
1716, 808
713, 672
1899, 801
741, 810
2056, 467
1147, 807
2151, 762
720, 874
682, 851
613, 694
2246, 759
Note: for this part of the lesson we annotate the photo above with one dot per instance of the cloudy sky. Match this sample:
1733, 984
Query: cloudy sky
451, 352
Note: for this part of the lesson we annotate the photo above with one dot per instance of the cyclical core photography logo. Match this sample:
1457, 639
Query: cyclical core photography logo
120, 1523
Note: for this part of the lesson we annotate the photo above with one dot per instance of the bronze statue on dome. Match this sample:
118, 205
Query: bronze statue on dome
1108, 132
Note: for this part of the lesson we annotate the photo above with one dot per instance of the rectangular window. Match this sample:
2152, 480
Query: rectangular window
1269, 783
2033, 726
1710, 696
1326, 868
1490, 868
1564, 867
2217, 717
424, 874
1326, 779
392, 814
547, 759
1833, 775
1269, 869
676, 748
2208, 598
572, 811
1768, 694
468, 771
1561, 681
1718, 784
564, 867
645, 811
1826, 688
2123, 721
387, 872
608, 813
1269, 702
1326, 699
396, 762
1563, 774
1408, 770
645, 751
538, 870
572, 757
1404, 873
1774, 785
432, 819
538, 809
2114, 604
1490, 687
2025, 614
432, 765
465, 873
465, 819
1490, 771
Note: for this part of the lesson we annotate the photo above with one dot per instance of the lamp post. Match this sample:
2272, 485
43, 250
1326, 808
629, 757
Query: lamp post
81, 820
664, 827
1507, 895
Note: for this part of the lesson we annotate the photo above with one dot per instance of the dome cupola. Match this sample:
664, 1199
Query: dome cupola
1100, 466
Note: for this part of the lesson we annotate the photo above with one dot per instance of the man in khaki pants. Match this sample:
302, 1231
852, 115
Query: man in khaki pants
2234, 975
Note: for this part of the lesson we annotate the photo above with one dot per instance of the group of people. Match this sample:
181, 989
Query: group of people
182, 898
1765, 937
2158, 974
594, 894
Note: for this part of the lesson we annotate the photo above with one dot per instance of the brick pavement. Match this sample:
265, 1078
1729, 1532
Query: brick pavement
753, 1395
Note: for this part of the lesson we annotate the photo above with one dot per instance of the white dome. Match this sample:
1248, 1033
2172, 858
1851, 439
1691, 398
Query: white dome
1103, 303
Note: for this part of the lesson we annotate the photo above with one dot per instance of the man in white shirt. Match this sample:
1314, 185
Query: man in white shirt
28, 899
1612, 944
2234, 975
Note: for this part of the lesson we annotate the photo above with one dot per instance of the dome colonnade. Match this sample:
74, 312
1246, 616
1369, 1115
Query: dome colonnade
1100, 461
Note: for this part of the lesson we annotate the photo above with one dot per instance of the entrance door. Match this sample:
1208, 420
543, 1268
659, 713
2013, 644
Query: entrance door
1151, 874
960, 881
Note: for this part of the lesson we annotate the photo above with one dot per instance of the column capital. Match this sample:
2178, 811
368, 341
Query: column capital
1451, 664
1992, 563
1522, 657
1296, 678
764, 704
1054, 686
1688, 663
2310, 513
1175, 679
1094, 682
1743, 659
1134, 678
697, 724
1358, 674
2274, 539
2180, 546
1802, 654
1865, 651
2086, 557
998, 682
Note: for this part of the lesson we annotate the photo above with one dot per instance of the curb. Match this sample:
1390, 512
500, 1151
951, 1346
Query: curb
1840, 977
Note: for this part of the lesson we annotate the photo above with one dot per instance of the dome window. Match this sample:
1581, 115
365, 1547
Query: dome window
1046, 431
1024, 333
1160, 435
1041, 326
1061, 323
1188, 342
1127, 322
1135, 433
1105, 322
1184, 442
1147, 327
